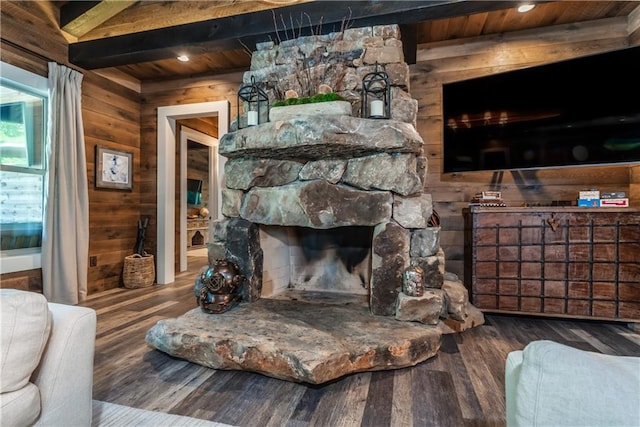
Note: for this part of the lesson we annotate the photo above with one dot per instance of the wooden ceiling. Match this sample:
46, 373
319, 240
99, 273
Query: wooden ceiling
142, 39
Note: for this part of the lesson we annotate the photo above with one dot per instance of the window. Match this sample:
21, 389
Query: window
23, 119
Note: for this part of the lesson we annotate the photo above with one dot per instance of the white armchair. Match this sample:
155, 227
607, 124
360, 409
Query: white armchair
46, 361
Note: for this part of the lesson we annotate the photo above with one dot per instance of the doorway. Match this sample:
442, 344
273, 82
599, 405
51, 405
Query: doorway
166, 173
198, 165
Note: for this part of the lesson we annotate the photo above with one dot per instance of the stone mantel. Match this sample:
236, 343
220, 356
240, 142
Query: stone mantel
323, 172
322, 137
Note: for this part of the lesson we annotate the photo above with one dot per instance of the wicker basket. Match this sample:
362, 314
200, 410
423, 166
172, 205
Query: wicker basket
139, 271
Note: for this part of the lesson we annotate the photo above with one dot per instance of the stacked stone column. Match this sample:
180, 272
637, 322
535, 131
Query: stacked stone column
326, 171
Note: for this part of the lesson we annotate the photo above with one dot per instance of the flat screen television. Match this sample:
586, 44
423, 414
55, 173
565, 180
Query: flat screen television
194, 191
578, 112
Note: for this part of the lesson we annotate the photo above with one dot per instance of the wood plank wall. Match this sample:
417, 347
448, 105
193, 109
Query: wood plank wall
444, 62
175, 92
634, 186
111, 116
120, 118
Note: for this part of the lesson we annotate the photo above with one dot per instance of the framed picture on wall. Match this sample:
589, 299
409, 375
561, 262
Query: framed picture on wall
114, 168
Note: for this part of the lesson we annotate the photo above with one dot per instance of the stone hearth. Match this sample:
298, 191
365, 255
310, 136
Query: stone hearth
314, 340
333, 174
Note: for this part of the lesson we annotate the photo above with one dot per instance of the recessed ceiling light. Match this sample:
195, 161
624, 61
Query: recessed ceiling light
526, 7
183, 58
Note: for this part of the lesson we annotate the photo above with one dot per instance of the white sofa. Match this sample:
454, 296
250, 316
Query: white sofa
46, 361
46, 369
551, 384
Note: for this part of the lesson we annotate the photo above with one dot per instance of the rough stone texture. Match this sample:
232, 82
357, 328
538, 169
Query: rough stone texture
457, 298
215, 250
347, 46
274, 71
393, 42
451, 276
474, 318
285, 53
242, 246
383, 55
425, 242
433, 277
412, 212
219, 229
244, 173
294, 340
422, 169
321, 137
263, 58
441, 261
390, 257
316, 204
404, 109
398, 75
394, 172
350, 81
369, 42
424, 309
356, 34
265, 46
324, 108
329, 170
231, 201
387, 31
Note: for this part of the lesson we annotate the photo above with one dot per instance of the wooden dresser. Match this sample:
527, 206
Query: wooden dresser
564, 262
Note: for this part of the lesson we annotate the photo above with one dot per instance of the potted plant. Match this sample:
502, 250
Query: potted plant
324, 102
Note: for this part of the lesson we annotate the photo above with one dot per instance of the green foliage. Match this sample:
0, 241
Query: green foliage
319, 97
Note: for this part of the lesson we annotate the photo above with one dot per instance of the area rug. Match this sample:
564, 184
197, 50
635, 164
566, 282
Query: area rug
107, 414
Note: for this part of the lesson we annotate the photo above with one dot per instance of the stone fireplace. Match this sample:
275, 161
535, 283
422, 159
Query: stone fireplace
324, 213
350, 187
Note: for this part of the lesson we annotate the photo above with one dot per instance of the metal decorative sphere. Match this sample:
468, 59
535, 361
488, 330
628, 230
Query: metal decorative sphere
217, 288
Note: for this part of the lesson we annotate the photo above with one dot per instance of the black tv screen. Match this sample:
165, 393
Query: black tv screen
194, 191
578, 112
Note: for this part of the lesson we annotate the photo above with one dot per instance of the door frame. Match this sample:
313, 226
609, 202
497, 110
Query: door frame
166, 176
188, 134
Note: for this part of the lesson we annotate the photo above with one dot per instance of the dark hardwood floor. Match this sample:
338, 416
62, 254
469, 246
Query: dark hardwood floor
462, 386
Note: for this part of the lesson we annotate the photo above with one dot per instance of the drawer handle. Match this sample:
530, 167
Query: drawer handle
553, 222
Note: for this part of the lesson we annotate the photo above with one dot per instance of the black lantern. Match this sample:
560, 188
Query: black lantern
255, 103
376, 95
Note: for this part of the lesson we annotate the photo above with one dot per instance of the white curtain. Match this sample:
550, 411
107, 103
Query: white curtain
65, 239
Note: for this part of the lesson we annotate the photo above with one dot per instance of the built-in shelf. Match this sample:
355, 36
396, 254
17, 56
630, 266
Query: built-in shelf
197, 233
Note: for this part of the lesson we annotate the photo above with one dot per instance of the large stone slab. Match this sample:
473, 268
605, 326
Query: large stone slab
389, 260
384, 171
242, 246
311, 342
315, 204
321, 137
242, 174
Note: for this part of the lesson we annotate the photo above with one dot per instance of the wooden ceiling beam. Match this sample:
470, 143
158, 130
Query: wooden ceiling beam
79, 17
233, 32
151, 15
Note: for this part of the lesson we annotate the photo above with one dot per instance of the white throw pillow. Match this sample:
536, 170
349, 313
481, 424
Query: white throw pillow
565, 386
25, 323
21, 407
